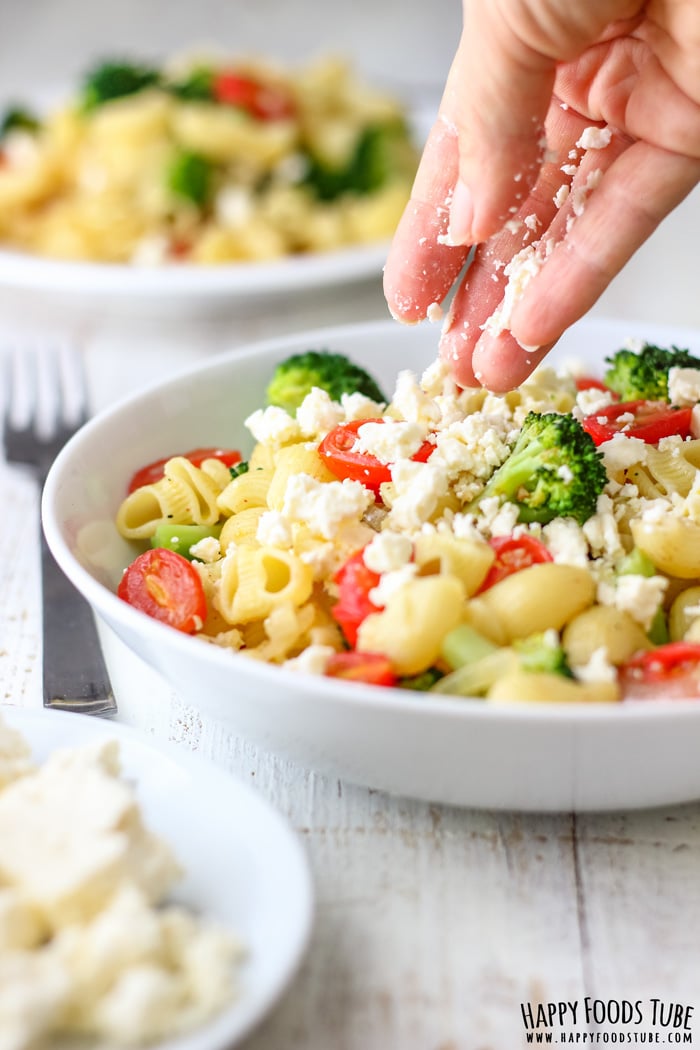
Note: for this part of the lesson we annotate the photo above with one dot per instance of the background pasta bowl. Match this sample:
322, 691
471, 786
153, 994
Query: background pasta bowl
461, 751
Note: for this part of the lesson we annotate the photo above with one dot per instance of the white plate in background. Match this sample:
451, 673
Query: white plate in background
243, 866
181, 286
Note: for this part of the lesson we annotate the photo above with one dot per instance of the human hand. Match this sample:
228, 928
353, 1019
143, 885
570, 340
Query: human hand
510, 165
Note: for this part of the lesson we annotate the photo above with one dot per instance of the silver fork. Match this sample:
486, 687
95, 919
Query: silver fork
45, 403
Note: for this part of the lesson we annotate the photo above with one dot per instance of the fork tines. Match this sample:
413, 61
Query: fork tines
45, 400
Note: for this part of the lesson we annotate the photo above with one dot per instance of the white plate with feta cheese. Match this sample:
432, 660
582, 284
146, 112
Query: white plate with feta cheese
244, 869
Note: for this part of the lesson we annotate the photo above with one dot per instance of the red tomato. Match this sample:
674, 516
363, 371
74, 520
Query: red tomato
371, 668
670, 672
652, 420
355, 581
180, 248
336, 450
514, 553
167, 587
592, 383
153, 472
263, 101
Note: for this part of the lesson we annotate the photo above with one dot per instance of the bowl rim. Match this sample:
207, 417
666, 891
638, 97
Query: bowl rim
109, 606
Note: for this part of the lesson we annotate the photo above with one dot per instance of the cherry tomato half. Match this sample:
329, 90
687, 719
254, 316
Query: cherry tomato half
263, 101
669, 672
355, 581
371, 668
593, 383
514, 553
651, 421
166, 586
337, 453
153, 472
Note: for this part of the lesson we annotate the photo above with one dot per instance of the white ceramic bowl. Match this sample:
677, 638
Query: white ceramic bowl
548, 757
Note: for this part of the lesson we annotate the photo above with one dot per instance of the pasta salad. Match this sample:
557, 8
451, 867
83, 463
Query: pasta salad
205, 161
539, 545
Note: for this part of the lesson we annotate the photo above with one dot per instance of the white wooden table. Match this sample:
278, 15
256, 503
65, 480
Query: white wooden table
436, 928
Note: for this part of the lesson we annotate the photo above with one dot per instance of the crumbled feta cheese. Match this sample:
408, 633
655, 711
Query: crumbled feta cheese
313, 660
566, 542
272, 425
597, 669
476, 445
505, 520
15, 755
208, 549
524, 265
655, 511
580, 194
437, 379
622, 452
601, 530
274, 530
69, 869
87, 948
684, 386
417, 487
390, 441
234, 207
410, 401
325, 506
151, 250
359, 406
640, 596
591, 400
561, 196
392, 582
695, 421
317, 414
595, 138
387, 552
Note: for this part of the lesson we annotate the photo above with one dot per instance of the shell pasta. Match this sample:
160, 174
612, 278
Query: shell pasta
536, 546
206, 161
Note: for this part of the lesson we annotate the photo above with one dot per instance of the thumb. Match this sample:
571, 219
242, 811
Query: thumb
498, 92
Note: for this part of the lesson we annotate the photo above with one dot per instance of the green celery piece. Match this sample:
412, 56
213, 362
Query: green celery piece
180, 538
636, 563
475, 679
463, 645
658, 632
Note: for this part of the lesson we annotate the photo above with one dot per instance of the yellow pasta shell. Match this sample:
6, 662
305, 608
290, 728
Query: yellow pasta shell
539, 598
415, 620
673, 544
530, 687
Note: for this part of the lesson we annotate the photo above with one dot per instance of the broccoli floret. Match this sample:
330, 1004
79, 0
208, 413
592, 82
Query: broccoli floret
17, 118
382, 152
294, 378
423, 682
111, 80
191, 177
197, 86
539, 653
644, 375
554, 470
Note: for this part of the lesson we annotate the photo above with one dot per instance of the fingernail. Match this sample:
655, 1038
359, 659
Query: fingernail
459, 230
